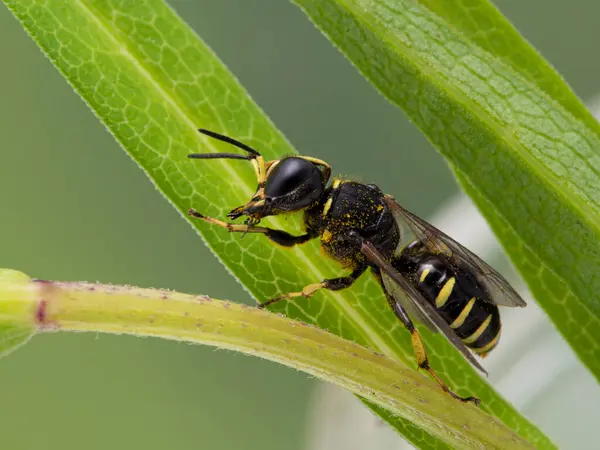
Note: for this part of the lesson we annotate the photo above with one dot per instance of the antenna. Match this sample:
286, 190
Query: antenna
231, 141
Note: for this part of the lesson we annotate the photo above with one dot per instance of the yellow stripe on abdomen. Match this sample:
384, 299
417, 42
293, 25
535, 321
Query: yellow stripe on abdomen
445, 292
463, 314
479, 331
483, 351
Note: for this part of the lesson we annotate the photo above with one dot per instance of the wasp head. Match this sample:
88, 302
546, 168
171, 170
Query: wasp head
284, 185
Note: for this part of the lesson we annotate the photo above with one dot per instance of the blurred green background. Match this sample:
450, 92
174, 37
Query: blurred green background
75, 207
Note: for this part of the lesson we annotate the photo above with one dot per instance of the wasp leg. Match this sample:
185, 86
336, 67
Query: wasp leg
278, 236
419, 349
332, 284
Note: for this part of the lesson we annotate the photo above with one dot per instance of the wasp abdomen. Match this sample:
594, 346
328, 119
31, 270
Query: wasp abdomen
457, 295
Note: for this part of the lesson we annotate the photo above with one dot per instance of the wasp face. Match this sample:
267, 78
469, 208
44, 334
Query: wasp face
284, 185
291, 184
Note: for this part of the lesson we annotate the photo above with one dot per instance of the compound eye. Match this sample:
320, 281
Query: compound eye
289, 175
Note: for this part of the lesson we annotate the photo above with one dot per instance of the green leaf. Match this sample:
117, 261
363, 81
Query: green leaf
52, 306
484, 26
153, 82
521, 143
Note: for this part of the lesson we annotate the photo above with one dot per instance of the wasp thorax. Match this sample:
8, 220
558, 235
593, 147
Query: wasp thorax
294, 183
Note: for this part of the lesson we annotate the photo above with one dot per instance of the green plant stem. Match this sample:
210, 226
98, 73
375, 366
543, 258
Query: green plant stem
55, 306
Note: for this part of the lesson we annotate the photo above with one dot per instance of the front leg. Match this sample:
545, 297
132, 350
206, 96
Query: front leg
332, 284
278, 236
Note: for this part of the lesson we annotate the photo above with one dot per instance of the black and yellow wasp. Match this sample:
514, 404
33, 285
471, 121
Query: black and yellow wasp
433, 279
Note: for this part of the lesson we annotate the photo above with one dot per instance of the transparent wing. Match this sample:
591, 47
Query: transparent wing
418, 301
400, 296
499, 290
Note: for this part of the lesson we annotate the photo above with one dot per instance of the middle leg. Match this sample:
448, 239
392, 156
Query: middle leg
332, 284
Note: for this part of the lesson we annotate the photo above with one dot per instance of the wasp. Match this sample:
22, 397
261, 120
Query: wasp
432, 278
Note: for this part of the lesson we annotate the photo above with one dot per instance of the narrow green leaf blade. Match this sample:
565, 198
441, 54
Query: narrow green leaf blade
519, 140
482, 23
153, 82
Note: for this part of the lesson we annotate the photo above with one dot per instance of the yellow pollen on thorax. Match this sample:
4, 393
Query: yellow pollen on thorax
327, 206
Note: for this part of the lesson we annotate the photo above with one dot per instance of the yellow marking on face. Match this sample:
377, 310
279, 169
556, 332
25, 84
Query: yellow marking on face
379, 207
336, 183
326, 236
254, 163
483, 351
424, 275
316, 161
270, 166
445, 292
327, 205
259, 168
479, 331
463, 314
